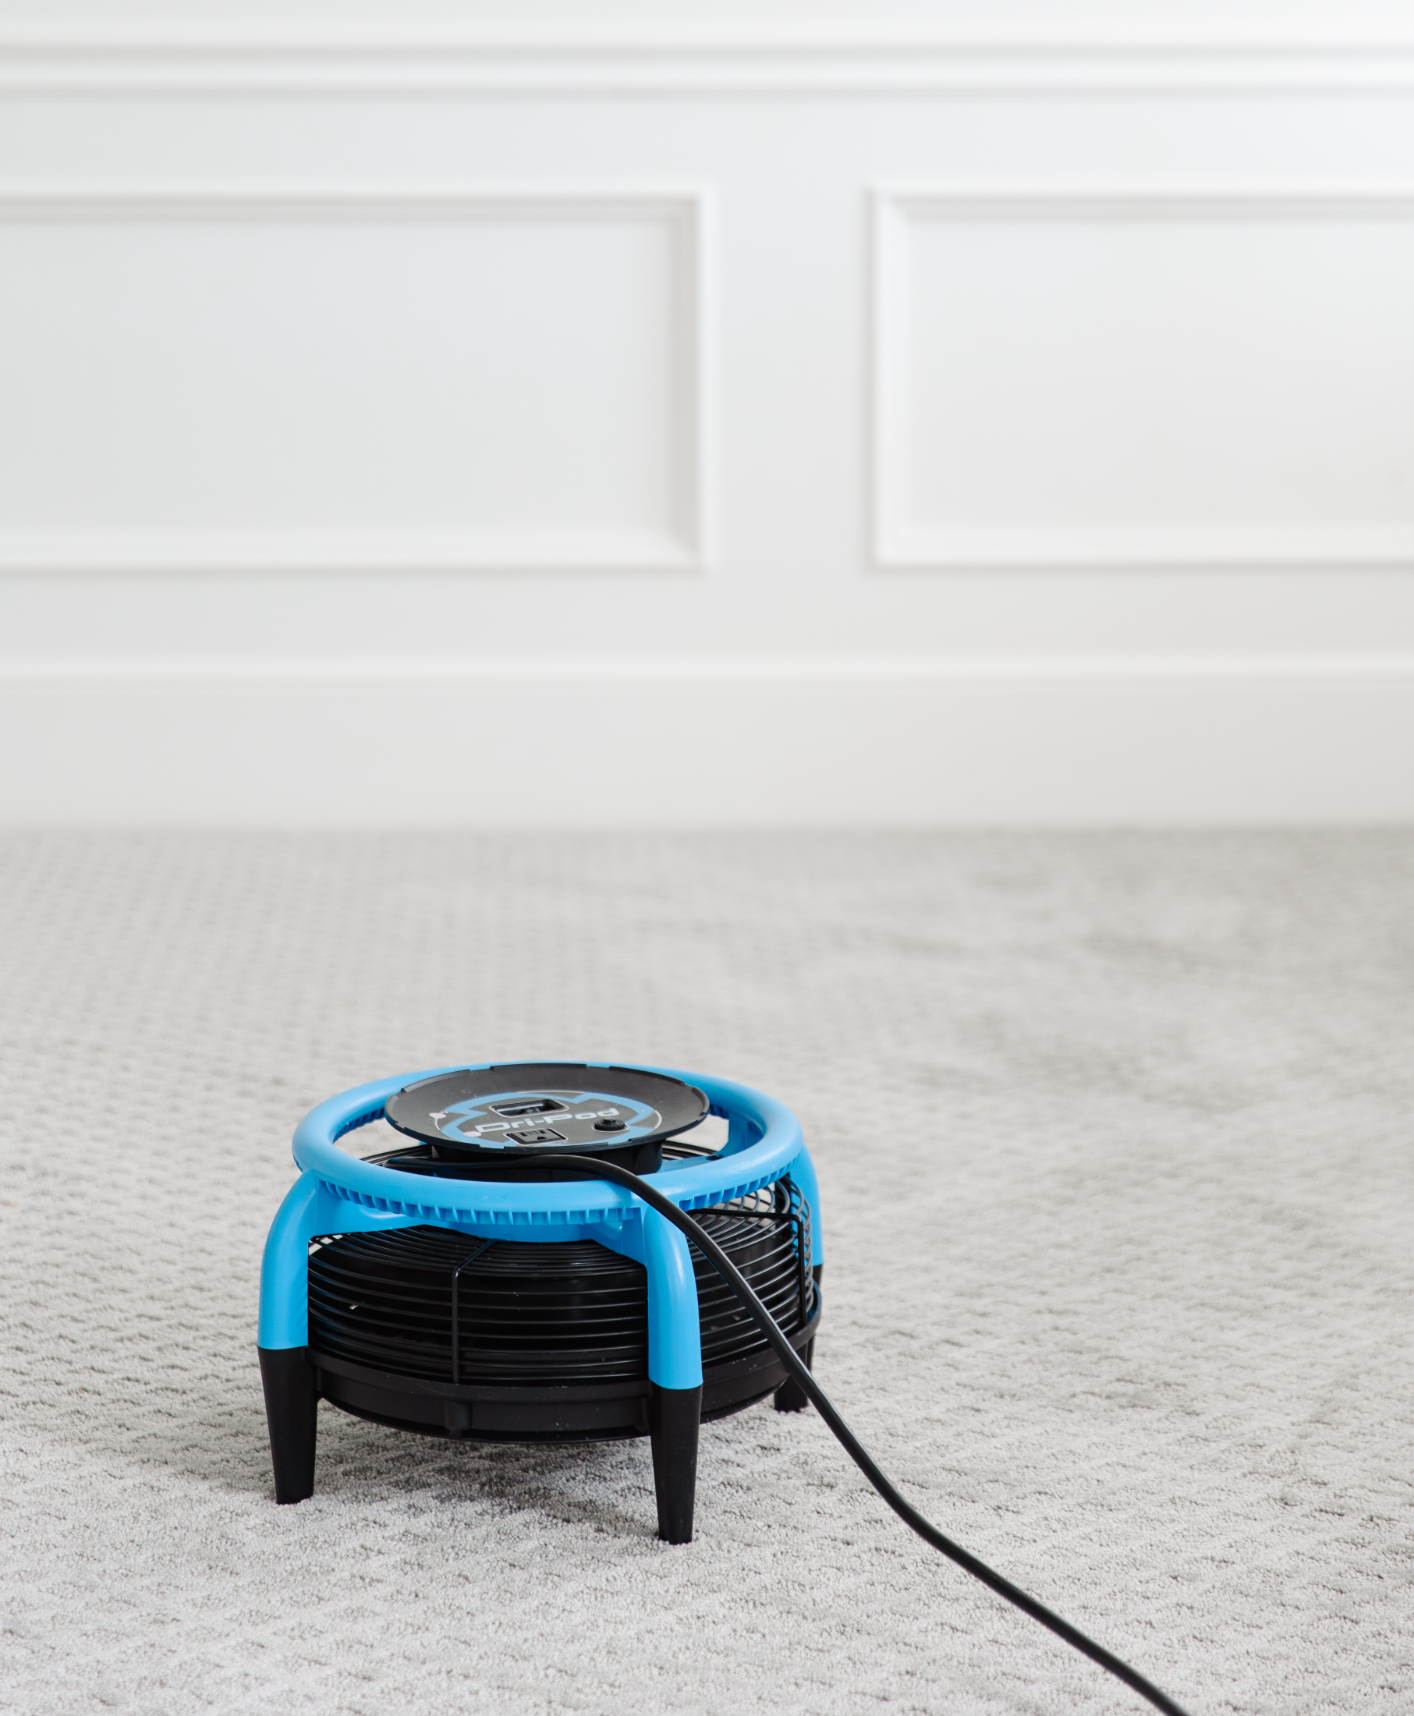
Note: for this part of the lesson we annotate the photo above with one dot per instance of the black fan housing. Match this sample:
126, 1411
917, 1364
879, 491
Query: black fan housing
509, 1340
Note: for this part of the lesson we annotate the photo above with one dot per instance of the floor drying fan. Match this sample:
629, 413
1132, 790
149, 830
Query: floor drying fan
468, 1284
551, 1258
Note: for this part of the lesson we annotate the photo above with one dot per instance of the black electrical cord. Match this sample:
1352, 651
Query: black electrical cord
598, 1169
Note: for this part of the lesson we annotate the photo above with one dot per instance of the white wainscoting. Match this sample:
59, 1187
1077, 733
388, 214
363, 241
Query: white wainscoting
712, 425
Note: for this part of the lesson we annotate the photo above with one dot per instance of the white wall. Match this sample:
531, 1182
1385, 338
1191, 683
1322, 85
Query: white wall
910, 415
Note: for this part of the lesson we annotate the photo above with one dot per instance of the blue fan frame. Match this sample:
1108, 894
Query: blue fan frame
338, 1193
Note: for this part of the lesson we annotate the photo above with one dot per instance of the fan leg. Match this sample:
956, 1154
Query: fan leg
674, 1415
291, 1411
790, 1396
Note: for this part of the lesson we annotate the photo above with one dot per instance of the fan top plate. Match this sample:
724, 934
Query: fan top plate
539, 1107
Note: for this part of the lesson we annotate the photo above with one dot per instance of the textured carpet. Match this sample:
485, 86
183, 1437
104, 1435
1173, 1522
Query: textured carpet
1114, 1141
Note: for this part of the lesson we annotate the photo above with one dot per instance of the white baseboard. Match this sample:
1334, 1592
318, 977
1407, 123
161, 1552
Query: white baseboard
1078, 743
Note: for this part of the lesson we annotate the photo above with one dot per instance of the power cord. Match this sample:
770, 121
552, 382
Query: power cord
597, 1169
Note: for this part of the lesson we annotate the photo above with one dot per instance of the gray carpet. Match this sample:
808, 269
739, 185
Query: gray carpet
1114, 1141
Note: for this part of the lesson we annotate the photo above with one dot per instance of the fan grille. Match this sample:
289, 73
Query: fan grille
443, 1306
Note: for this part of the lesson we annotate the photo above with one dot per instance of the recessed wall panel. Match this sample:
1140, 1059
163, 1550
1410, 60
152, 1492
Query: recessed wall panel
1082, 380
406, 380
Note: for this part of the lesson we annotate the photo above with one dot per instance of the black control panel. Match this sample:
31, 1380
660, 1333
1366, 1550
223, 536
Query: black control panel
534, 1109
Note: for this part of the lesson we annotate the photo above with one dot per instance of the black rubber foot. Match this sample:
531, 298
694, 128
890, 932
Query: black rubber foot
674, 1415
291, 1411
790, 1396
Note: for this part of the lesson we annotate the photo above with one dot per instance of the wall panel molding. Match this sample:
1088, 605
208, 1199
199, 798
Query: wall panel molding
902, 541
732, 60
684, 213
687, 674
